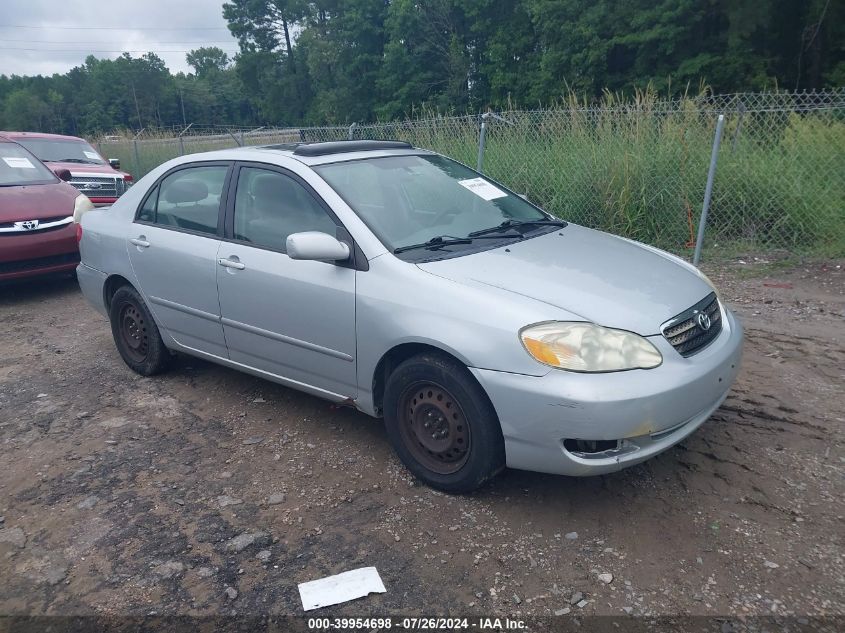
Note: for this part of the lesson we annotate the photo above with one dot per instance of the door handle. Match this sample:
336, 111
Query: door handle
140, 242
231, 263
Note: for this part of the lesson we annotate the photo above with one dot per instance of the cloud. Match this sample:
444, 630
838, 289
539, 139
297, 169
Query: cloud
53, 36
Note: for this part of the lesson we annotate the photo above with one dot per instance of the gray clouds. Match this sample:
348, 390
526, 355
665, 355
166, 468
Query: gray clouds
63, 35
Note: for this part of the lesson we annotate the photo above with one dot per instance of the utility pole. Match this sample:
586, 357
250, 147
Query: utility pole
184, 122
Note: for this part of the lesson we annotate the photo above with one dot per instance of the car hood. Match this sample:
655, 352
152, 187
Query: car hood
599, 277
36, 202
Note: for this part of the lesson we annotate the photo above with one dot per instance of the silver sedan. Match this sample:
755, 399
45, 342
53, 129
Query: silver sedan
485, 332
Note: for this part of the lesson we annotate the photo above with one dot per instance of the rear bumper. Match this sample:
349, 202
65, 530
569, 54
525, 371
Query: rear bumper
640, 413
92, 283
24, 255
102, 202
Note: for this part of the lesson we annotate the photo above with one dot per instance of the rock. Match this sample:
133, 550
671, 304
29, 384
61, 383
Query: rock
276, 498
517, 599
583, 603
54, 574
771, 565
2, 519
264, 555
628, 610
256, 439
226, 500
259, 401
563, 611
479, 595
727, 627
225, 475
571, 536
606, 578
88, 502
576, 597
205, 572
231, 593
169, 569
242, 541
15, 536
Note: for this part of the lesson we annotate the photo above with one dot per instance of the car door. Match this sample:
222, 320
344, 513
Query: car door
292, 318
173, 245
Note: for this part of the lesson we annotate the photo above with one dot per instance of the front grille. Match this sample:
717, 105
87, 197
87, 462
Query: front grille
686, 333
40, 262
99, 186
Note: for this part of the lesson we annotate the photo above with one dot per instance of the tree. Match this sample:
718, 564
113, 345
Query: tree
207, 60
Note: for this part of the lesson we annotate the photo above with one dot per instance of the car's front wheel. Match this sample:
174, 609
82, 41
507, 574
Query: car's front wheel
441, 423
135, 333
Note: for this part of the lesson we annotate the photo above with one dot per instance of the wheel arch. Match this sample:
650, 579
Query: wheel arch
394, 357
111, 286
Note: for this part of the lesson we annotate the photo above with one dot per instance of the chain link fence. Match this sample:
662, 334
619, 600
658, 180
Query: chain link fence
636, 168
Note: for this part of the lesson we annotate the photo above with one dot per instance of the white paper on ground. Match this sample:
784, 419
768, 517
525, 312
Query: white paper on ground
18, 162
91, 155
482, 188
340, 588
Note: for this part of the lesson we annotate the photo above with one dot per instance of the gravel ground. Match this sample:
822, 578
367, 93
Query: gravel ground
205, 491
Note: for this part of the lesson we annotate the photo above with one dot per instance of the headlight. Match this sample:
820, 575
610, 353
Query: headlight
81, 206
588, 348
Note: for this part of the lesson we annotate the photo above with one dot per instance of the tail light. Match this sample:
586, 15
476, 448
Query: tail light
127, 178
78, 232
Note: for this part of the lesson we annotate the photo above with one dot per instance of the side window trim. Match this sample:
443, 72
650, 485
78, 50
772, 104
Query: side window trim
221, 209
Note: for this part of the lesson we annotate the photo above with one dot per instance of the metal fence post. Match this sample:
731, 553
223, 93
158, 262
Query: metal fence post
482, 139
137, 158
708, 190
182, 140
351, 133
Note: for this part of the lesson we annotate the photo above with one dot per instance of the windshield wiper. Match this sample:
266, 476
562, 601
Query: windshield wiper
434, 242
509, 224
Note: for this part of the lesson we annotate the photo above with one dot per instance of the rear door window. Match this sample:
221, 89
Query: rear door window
188, 199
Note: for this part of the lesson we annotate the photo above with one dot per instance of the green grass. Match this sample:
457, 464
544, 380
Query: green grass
639, 171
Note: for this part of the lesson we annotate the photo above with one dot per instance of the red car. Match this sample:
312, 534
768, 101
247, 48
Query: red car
97, 178
39, 216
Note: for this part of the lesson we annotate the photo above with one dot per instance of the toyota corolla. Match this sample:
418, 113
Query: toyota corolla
486, 332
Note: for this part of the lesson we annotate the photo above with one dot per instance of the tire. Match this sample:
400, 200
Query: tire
442, 425
135, 333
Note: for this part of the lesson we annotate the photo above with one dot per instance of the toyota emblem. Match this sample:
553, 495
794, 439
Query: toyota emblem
703, 321
29, 225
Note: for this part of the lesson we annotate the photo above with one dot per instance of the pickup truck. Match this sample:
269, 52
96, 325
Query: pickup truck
99, 179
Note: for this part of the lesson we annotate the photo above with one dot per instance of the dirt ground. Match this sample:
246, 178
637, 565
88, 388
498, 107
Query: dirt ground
206, 491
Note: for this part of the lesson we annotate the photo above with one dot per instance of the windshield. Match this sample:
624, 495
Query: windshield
62, 150
19, 167
410, 200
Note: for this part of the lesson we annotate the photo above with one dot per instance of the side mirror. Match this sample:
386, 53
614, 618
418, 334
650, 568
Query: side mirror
316, 245
115, 163
64, 174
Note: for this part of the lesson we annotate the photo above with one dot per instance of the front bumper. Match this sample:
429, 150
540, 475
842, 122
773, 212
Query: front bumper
38, 253
643, 411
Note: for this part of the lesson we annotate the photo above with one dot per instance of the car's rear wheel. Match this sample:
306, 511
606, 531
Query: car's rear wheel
135, 333
441, 423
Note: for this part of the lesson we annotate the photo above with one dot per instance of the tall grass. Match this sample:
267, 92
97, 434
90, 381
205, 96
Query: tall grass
635, 167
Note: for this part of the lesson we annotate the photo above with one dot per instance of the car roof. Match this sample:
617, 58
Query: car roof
39, 135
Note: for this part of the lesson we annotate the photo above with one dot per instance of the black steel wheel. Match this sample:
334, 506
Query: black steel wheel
135, 333
441, 423
434, 427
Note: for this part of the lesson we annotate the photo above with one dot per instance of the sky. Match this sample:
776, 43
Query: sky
42, 37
